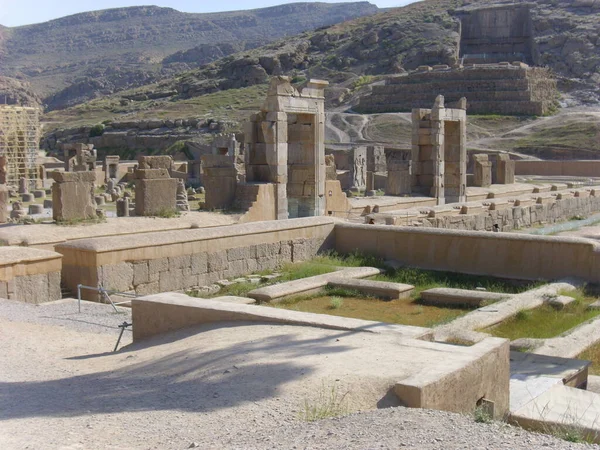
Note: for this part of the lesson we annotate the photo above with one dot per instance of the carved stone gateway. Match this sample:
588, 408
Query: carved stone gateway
439, 153
286, 147
399, 168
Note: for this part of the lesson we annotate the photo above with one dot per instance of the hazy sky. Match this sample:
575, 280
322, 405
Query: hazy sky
22, 12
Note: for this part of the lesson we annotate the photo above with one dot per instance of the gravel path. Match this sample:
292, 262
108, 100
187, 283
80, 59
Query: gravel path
61, 387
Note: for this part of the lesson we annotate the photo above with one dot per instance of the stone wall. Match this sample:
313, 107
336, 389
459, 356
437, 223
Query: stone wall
573, 168
507, 215
175, 260
498, 89
30, 275
508, 255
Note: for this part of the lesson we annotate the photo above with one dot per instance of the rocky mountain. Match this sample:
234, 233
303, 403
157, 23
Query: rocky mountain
17, 92
565, 38
75, 58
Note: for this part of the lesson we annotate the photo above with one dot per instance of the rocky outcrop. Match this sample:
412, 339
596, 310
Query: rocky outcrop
17, 92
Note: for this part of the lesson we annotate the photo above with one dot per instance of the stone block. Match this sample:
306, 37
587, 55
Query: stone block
148, 288
73, 177
155, 162
73, 200
27, 197
32, 288
381, 289
155, 196
39, 194
179, 262
141, 273
4, 202
171, 280
199, 263
118, 277
150, 174
217, 262
158, 265
241, 253
54, 290
36, 209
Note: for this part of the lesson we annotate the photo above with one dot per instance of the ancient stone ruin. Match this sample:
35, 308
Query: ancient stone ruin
73, 196
439, 153
502, 88
155, 190
79, 157
285, 144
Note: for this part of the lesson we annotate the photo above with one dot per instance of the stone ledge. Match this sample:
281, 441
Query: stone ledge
170, 311
382, 289
308, 285
450, 296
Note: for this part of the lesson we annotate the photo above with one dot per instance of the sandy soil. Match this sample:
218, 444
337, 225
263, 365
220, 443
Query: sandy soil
61, 387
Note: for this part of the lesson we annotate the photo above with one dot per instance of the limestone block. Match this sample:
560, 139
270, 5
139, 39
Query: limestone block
172, 280
54, 290
73, 177
241, 253
237, 268
118, 277
155, 196
122, 207
32, 288
150, 174
199, 263
380, 289
148, 288
36, 209
217, 261
482, 169
141, 273
158, 265
39, 194
27, 197
179, 262
73, 200
4, 201
3, 289
100, 200
47, 204
505, 169
155, 162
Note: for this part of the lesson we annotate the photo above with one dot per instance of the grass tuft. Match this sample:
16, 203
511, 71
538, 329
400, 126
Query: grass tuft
329, 402
336, 302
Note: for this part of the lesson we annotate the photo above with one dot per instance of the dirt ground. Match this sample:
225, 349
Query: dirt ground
243, 386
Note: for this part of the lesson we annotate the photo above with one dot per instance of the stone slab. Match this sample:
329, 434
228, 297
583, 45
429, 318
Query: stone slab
560, 301
380, 289
235, 299
450, 296
305, 285
561, 406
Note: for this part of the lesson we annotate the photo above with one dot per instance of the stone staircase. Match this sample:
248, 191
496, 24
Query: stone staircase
245, 196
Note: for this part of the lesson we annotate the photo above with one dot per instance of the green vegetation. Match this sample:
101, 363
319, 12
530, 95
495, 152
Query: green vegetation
336, 302
578, 135
329, 402
97, 130
482, 415
592, 354
546, 322
167, 213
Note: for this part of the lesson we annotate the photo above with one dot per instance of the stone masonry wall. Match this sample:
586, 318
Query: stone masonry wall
517, 217
176, 260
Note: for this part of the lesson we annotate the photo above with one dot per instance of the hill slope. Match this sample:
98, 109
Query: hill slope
103, 51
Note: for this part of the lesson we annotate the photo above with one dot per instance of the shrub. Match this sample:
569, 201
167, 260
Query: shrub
97, 130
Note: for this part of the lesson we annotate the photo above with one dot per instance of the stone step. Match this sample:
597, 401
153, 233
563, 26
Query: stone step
464, 297
381, 289
309, 285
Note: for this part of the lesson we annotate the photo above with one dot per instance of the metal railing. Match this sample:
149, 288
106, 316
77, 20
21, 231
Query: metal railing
106, 294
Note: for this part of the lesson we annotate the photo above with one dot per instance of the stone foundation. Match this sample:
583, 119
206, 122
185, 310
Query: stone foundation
30, 275
178, 260
489, 88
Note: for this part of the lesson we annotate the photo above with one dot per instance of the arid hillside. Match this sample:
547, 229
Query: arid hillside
75, 58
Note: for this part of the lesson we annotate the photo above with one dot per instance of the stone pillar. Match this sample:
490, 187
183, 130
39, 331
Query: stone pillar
123, 207
399, 172
4, 201
155, 192
220, 181
274, 129
505, 169
482, 170
73, 196
23, 188
359, 167
3, 169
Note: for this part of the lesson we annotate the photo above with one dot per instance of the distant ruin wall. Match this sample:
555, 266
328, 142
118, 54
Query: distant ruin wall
176, 260
489, 89
505, 255
573, 168
496, 33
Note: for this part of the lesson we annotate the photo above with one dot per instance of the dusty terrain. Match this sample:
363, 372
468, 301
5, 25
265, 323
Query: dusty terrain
215, 387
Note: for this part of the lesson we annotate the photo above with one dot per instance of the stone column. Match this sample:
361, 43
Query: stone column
73, 196
482, 170
505, 169
274, 129
399, 173
4, 201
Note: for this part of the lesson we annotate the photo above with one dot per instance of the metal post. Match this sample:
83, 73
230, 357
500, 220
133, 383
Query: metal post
122, 327
79, 297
